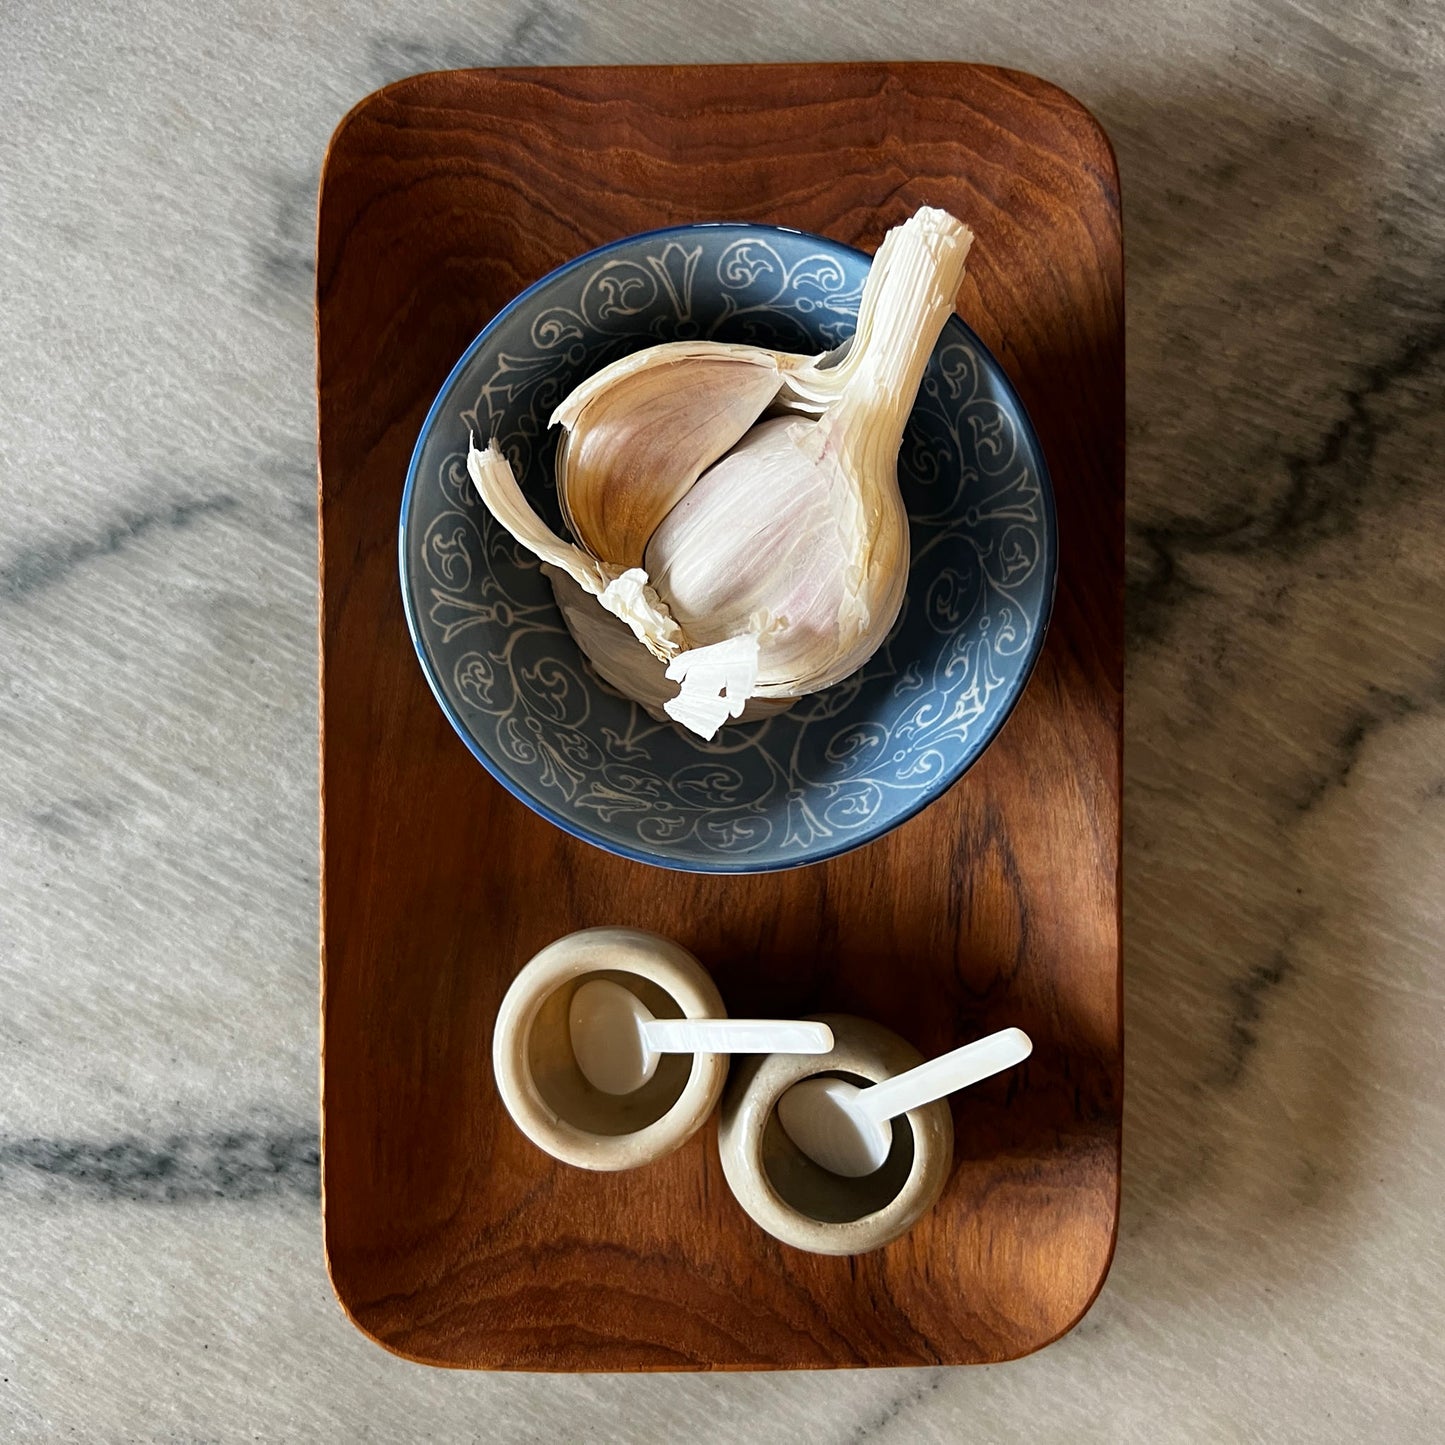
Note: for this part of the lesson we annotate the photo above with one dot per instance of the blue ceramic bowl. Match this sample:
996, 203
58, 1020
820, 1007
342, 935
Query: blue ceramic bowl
841, 767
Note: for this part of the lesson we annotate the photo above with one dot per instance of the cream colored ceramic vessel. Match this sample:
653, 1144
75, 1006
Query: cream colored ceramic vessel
537, 1074
800, 1202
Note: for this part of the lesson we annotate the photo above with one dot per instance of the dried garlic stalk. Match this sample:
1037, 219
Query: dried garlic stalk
752, 557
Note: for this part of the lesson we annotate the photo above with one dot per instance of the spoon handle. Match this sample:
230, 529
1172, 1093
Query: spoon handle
944, 1075
736, 1036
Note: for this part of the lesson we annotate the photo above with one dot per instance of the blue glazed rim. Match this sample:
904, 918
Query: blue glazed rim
611, 845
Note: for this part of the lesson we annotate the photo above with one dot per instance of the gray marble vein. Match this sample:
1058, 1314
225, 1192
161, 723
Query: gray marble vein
1278, 1274
234, 1164
48, 563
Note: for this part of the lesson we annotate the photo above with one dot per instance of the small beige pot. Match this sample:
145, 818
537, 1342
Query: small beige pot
800, 1202
538, 1078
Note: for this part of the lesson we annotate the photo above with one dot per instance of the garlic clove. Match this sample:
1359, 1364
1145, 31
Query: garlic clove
761, 535
641, 431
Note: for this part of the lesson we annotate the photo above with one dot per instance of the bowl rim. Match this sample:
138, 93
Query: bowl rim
579, 830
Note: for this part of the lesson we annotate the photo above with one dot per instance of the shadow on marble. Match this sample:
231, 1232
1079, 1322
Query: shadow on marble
1283, 615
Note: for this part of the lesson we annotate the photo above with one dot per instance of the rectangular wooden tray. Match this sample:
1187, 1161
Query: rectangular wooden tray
452, 1240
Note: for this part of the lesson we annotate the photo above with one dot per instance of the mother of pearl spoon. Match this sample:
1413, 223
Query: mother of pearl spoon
617, 1042
848, 1129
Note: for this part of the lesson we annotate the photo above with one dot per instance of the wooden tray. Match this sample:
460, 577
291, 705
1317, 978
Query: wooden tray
451, 1239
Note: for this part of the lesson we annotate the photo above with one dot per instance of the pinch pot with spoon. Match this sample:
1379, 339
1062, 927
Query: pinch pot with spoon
610, 1048
795, 1198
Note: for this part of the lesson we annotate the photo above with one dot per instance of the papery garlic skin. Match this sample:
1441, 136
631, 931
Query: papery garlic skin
629, 669
623, 591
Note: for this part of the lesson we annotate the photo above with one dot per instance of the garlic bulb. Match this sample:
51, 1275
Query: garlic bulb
752, 556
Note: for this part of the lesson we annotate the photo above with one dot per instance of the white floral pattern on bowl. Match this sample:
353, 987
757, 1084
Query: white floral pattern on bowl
840, 768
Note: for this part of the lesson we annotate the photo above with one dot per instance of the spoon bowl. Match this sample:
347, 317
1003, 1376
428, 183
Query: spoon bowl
605, 1024
821, 1117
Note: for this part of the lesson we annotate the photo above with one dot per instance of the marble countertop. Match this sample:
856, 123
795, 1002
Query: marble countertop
1278, 1274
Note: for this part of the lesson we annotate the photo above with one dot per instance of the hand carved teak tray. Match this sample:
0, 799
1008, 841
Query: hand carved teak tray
450, 1238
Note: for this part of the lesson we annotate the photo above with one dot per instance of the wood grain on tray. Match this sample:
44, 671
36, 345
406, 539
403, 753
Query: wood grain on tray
449, 1237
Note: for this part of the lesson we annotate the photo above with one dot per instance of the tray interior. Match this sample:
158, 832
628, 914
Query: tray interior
450, 1239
